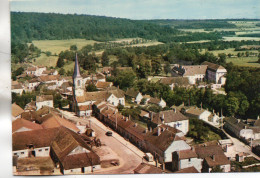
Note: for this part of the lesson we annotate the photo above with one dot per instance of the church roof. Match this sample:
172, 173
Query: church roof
76, 68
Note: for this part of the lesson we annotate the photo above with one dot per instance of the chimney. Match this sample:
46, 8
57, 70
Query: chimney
135, 124
158, 131
213, 157
162, 118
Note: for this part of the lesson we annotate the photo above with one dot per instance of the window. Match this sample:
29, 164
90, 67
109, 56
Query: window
46, 149
78, 82
40, 150
15, 153
22, 153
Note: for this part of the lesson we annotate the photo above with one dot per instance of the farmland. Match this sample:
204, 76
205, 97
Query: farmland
244, 61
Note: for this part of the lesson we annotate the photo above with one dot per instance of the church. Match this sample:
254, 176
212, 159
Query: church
82, 101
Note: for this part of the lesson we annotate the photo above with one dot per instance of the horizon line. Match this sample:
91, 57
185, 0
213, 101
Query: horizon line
139, 19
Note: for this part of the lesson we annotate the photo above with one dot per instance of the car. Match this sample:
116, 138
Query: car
109, 133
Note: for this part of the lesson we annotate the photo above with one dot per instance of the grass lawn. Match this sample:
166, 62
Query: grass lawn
244, 61
46, 61
56, 46
69, 66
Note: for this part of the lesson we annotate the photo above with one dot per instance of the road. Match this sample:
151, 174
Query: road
240, 146
130, 156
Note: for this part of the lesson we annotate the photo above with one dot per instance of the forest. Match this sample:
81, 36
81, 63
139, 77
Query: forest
48, 26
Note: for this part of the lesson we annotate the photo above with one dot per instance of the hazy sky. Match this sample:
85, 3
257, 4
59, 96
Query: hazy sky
146, 9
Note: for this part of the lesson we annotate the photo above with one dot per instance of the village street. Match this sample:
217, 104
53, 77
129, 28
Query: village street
130, 156
241, 147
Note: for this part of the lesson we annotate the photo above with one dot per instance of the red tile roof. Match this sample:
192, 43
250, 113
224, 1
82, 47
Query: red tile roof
186, 154
188, 170
16, 110
20, 123
144, 168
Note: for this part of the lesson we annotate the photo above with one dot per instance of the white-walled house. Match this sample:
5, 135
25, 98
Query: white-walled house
199, 113
185, 159
215, 73
163, 141
156, 101
34, 143
134, 95
172, 118
44, 100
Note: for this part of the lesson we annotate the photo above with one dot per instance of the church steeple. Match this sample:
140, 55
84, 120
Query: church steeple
76, 73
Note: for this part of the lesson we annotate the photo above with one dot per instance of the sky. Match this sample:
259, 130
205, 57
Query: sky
145, 9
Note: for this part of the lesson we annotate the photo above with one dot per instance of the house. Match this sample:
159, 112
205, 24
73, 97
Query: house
172, 118
228, 147
53, 120
134, 95
156, 101
31, 70
32, 84
196, 112
103, 85
184, 159
144, 114
194, 73
163, 141
72, 155
238, 128
212, 156
17, 88
240, 157
49, 78
22, 125
85, 110
215, 73
50, 72
175, 81
34, 143
114, 97
44, 100
144, 168
16, 111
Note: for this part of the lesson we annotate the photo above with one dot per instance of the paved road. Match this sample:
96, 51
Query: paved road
130, 156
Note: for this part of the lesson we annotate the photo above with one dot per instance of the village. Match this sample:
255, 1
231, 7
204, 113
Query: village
99, 131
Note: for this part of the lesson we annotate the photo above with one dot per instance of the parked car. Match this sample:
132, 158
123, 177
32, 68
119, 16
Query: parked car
109, 133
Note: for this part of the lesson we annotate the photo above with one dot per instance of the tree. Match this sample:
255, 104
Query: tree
91, 87
62, 71
232, 105
125, 79
105, 59
73, 47
60, 62
48, 53
167, 68
216, 169
156, 66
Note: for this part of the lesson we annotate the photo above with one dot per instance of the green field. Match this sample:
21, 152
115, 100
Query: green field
50, 61
244, 61
56, 46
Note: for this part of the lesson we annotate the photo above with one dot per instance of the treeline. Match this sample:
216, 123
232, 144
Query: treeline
194, 24
49, 26
250, 35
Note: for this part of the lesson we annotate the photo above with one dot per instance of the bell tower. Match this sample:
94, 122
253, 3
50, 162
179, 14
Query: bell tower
78, 88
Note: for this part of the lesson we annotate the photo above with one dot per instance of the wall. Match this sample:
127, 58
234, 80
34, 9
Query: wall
196, 162
181, 125
175, 146
39, 105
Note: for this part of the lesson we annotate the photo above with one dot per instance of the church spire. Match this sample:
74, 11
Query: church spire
76, 68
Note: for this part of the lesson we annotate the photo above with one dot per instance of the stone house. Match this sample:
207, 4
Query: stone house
175, 81
215, 73
134, 95
172, 118
34, 143
156, 101
194, 73
185, 159
44, 100
163, 141
71, 154
212, 155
